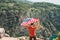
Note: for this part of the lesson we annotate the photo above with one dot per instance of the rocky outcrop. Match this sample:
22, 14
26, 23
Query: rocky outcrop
2, 33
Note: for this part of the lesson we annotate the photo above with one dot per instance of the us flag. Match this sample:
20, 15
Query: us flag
28, 21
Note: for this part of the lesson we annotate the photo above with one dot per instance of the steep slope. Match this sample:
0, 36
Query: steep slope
12, 11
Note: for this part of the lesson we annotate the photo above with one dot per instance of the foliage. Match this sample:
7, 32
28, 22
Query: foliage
12, 11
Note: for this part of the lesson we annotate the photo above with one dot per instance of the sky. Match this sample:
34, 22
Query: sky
50, 1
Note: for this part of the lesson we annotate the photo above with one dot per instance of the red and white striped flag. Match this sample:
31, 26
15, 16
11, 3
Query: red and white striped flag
32, 20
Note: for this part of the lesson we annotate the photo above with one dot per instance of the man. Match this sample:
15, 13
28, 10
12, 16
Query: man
32, 29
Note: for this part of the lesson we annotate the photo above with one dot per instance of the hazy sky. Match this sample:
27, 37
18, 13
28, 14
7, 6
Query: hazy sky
51, 1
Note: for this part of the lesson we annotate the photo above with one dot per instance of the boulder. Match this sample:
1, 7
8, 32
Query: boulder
22, 38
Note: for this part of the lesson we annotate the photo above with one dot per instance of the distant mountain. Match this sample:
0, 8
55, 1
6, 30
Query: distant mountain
46, 4
24, 1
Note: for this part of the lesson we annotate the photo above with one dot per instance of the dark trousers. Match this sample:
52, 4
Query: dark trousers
34, 37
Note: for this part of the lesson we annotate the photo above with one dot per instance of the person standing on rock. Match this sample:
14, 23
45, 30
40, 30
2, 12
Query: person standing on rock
32, 29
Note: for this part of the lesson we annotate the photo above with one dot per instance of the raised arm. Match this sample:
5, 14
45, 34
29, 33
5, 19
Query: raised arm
38, 24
